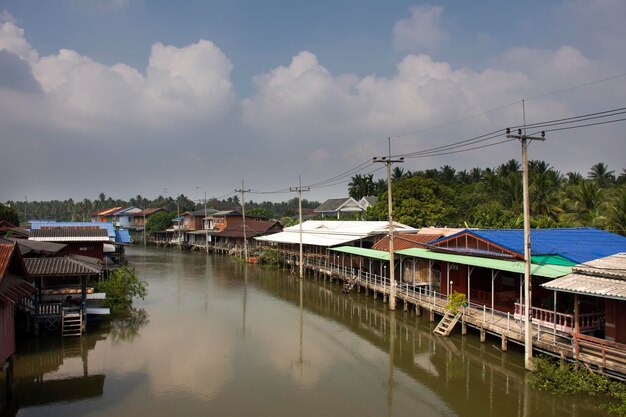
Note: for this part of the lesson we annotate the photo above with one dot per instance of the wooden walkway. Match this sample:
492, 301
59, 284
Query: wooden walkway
605, 357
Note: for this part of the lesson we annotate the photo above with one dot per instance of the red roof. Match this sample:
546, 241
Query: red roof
406, 241
253, 228
6, 250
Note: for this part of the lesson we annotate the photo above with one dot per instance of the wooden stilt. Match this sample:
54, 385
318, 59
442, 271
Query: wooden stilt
504, 344
483, 335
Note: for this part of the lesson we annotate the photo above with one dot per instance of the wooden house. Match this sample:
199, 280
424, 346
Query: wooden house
79, 241
335, 207
65, 292
14, 286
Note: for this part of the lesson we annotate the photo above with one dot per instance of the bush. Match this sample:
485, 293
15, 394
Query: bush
456, 300
567, 379
272, 259
121, 287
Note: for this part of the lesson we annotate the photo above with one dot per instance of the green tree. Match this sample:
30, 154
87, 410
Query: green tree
601, 175
260, 212
159, 221
418, 202
9, 214
121, 287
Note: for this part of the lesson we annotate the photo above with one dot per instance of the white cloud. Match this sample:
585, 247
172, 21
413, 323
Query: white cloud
422, 31
179, 85
12, 40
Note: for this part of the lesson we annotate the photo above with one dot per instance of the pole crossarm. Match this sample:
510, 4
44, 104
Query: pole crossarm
523, 136
387, 160
299, 189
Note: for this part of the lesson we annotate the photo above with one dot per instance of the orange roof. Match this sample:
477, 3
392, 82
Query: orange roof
406, 241
109, 211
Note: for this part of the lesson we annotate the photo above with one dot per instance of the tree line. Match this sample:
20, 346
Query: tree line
492, 197
70, 210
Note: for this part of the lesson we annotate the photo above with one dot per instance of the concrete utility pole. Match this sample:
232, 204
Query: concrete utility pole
299, 189
243, 192
392, 279
528, 335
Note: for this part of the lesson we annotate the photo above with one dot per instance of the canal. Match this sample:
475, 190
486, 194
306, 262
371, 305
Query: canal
216, 337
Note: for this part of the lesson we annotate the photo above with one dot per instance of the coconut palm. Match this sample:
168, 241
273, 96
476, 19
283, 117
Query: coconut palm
601, 175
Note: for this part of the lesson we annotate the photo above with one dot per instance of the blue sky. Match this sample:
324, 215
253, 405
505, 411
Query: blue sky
159, 94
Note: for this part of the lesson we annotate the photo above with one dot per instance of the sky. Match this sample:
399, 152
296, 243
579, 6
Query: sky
131, 97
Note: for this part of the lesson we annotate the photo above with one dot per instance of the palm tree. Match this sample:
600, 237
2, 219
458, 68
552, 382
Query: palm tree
584, 202
574, 177
398, 173
616, 218
601, 175
446, 174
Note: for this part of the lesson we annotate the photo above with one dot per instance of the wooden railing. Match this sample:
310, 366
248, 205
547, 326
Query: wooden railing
561, 321
49, 309
602, 353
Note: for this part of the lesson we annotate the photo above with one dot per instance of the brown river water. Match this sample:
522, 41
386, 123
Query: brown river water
217, 337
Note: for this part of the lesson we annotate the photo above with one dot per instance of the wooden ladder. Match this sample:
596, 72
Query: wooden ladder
71, 324
447, 323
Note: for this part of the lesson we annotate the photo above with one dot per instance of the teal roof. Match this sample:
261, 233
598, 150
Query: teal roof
540, 270
368, 253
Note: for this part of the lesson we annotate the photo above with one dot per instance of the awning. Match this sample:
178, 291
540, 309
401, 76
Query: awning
546, 271
589, 285
325, 240
15, 288
368, 253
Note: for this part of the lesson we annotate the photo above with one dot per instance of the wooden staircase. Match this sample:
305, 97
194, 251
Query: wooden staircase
71, 324
447, 323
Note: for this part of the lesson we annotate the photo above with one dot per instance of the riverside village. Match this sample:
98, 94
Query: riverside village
312, 208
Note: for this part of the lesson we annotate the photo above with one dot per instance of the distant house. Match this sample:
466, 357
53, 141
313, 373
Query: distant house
14, 286
232, 233
142, 216
196, 220
79, 241
335, 207
106, 215
125, 218
368, 201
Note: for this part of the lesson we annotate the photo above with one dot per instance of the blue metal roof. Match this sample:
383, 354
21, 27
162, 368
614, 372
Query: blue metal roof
122, 236
576, 244
38, 224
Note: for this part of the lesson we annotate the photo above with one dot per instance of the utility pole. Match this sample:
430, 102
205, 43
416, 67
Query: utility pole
206, 229
299, 189
392, 278
528, 335
243, 192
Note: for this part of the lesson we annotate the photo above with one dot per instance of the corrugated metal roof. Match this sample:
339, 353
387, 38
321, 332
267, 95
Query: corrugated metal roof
39, 224
61, 266
613, 266
406, 241
69, 235
44, 248
332, 233
253, 228
368, 253
547, 271
589, 285
576, 244
14, 288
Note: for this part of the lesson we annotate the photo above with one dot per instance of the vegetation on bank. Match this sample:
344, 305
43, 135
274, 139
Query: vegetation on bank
567, 379
272, 259
492, 198
121, 287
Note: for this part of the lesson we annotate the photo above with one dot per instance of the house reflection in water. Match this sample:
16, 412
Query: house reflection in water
32, 385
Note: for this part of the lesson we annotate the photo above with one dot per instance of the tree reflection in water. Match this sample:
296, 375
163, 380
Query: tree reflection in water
125, 326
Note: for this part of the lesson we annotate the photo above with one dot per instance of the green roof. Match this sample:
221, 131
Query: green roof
368, 253
552, 260
540, 270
